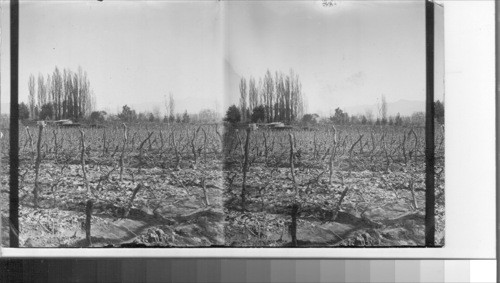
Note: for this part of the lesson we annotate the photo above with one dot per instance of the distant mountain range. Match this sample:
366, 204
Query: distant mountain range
403, 107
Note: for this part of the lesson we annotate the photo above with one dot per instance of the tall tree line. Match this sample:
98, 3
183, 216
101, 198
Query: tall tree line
169, 108
280, 95
62, 95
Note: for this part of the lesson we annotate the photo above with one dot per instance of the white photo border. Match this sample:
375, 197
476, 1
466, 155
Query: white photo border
470, 160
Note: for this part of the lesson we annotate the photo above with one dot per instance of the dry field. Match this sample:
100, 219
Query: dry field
208, 185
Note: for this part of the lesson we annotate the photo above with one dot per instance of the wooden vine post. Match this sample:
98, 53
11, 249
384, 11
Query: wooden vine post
37, 162
332, 153
341, 199
415, 145
54, 132
205, 140
315, 143
82, 160
205, 193
266, 150
295, 204
122, 155
30, 139
162, 142
88, 214
141, 145
193, 147
245, 169
292, 168
372, 135
177, 154
104, 146
404, 148
129, 206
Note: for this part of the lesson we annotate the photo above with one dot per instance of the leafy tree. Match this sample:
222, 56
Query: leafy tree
268, 90
418, 118
47, 111
439, 111
369, 116
310, 119
248, 114
185, 117
68, 92
151, 117
364, 121
243, 98
208, 115
171, 107
253, 95
398, 121
24, 112
233, 114
142, 117
259, 114
280, 94
383, 110
178, 118
355, 120
42, 91
340, 117
97, 116
127, 115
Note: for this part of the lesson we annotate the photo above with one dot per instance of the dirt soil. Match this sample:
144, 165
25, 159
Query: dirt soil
163, 213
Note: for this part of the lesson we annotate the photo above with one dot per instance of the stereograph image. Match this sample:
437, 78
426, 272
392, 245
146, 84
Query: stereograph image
224, 124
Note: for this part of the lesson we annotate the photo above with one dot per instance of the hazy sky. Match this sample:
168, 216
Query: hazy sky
134, 52
346, 55
137, 52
